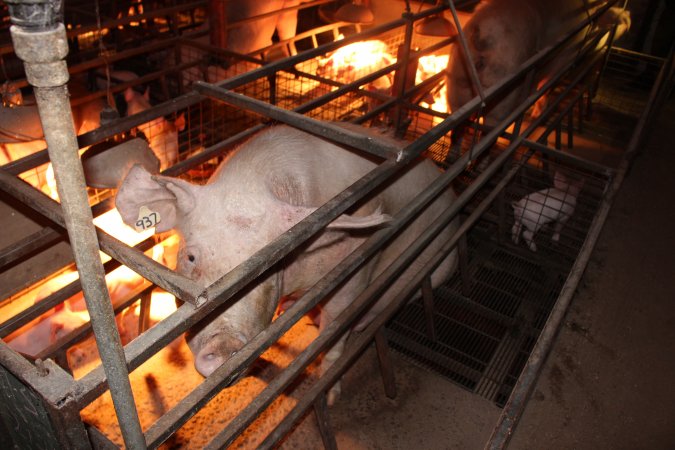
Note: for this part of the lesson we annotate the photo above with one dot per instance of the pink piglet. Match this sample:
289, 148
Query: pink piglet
554, 204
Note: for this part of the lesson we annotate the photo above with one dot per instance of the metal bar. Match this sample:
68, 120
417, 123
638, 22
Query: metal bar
330, 131
31, 243
475, 79
386, 366
564, 156
323, 421
43, 50
428, 302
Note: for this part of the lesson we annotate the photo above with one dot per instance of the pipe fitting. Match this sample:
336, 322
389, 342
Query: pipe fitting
45, 64
35, 14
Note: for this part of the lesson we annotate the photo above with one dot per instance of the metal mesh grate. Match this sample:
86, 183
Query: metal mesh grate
488, 316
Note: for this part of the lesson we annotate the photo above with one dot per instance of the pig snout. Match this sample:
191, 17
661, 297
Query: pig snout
217, 350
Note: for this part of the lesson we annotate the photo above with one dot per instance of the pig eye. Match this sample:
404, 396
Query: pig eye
191, 258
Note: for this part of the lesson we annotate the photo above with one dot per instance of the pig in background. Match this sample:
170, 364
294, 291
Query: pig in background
21, 130
161, 134
553, 205
256, 35
269, 184
503, 34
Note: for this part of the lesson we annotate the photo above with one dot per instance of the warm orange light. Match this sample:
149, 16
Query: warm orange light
162, 304
428, 66
360, 55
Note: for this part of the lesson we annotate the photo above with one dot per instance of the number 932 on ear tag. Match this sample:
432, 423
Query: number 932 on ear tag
146, 219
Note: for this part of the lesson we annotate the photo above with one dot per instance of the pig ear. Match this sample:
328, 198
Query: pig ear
170, 197
180, 122
346, 222
343, 222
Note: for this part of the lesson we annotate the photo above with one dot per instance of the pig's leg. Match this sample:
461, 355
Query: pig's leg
529, 238
517, 223
515, 230
557, 228
331, 356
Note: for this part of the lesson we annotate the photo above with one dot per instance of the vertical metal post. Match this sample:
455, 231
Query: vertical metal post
386, 367
39, 39
323, 421
405, 76
463, 263
570, 128
428, 302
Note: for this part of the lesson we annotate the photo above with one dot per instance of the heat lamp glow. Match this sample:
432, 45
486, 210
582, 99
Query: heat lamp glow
368, 56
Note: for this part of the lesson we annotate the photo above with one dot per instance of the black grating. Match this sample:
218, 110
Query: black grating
488, 316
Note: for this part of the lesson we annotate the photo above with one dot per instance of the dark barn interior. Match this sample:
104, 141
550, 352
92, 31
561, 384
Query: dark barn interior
550, 331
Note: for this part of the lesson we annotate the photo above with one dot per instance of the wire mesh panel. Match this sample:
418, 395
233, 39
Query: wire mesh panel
489, 315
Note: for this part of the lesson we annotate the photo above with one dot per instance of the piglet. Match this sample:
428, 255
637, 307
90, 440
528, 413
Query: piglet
48, 331
554, 204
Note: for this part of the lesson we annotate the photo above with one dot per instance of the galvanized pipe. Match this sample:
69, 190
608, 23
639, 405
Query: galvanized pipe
43, 47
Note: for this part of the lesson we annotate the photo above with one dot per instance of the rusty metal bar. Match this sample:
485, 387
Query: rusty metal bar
475, 80
386, 366
24, 247
43, 46
317, 127
323, 422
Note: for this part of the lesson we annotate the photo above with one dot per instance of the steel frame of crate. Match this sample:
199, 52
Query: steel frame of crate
62, 397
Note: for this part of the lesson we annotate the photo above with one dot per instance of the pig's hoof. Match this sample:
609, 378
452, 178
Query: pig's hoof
333, 394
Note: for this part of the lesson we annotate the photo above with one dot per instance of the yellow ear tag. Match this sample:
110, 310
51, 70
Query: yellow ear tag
146, 219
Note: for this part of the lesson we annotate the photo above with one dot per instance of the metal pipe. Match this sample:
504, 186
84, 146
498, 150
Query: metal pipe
43, 48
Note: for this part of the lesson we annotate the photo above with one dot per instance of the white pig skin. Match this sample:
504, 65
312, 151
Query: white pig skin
535, 210
268, 185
